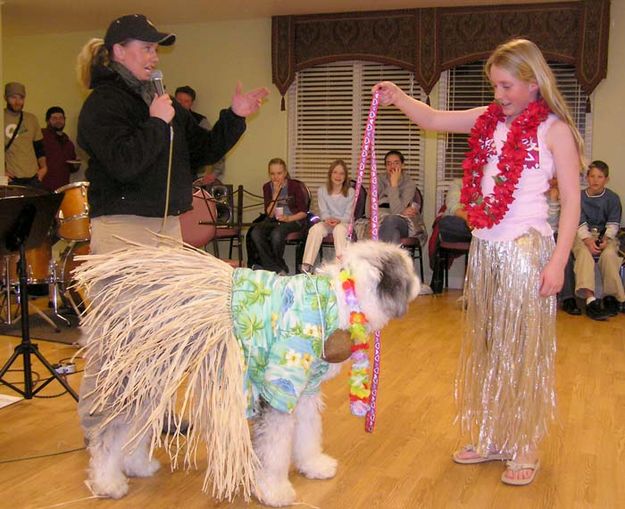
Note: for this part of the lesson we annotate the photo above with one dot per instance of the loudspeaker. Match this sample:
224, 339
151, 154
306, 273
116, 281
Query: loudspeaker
223, 196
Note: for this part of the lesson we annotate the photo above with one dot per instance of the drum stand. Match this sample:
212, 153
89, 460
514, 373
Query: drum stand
54, 294
34, 217
10, 288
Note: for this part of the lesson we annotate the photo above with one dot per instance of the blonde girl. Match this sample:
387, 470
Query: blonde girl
335, 201
505, 383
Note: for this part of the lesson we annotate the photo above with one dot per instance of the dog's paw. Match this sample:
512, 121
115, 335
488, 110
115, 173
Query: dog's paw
275, 494
140, 466
115, 487
319, 467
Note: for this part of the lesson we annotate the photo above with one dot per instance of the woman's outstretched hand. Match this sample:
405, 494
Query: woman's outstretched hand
244, 104
389, 92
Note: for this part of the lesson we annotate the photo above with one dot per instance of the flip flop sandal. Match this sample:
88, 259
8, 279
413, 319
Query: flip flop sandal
493, 456
515, 467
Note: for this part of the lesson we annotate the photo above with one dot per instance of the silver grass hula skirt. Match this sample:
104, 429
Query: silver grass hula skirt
505, 381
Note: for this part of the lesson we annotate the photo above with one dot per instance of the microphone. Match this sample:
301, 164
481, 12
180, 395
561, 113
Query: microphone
157, 79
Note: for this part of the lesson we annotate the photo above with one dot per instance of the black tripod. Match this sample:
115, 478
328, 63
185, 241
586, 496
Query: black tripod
24, 223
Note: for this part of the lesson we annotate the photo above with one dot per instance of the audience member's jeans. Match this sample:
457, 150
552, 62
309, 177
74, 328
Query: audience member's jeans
450, 229
27, 182
393, 228
568, 288
269, 238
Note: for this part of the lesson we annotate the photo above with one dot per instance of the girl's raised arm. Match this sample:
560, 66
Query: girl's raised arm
424, 116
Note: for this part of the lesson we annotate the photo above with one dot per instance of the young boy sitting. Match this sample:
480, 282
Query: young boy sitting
596, 238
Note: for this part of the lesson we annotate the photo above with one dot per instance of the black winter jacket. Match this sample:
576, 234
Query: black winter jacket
129, 150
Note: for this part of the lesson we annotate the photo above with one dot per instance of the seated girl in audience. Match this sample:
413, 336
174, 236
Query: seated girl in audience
335, 201
286, 209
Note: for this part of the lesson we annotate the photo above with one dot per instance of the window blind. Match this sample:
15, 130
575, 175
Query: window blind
328, 107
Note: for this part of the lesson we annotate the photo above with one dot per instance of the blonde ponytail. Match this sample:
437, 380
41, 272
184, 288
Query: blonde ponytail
92, 54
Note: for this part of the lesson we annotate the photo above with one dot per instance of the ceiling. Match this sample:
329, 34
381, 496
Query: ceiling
29, 17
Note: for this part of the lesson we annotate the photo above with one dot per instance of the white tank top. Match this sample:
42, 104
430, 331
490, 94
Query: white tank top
529, 208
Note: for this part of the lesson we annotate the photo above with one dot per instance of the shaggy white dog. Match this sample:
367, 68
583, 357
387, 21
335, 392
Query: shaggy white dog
239, 343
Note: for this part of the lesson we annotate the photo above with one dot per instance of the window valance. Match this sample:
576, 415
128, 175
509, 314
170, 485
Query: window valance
429, 41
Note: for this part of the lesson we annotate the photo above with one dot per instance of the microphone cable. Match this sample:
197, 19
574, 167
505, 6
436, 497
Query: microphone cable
157, 80
168, 187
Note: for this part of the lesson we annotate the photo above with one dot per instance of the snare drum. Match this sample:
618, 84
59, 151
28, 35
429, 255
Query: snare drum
37, 265
73, 216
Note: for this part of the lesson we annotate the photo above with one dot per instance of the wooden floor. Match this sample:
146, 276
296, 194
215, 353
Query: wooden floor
405, 463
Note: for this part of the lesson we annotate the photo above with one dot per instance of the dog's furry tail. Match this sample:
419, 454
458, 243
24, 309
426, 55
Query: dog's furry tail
159, 318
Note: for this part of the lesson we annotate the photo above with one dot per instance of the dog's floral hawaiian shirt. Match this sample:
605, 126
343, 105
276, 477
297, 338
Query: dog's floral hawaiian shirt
281, 324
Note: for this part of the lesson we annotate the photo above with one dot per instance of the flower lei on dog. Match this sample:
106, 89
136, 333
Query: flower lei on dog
359, 381
487, 211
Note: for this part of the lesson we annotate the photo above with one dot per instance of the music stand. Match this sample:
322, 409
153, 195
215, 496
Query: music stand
24, 224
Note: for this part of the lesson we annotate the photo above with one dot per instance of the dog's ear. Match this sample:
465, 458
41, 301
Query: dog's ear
395, 286
385, 279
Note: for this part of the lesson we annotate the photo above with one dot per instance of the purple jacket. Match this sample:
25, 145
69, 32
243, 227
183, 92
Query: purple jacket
297, 196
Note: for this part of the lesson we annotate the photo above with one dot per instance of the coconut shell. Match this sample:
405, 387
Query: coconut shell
338, 346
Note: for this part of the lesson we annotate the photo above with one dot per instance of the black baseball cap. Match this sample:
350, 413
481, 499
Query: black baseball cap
135, 26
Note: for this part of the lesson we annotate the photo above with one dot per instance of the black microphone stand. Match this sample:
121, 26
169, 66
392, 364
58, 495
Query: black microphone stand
34, 217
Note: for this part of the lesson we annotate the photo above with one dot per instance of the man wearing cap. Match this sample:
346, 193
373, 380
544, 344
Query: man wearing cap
24, 156
59, 149
186, 97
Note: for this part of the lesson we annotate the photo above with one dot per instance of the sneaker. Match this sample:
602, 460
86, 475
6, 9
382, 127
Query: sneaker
256, 267
611, 306
594, 311
570, 306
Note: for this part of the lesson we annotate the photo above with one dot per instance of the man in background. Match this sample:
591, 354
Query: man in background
59, 149
24, 155
400, 202
186, 97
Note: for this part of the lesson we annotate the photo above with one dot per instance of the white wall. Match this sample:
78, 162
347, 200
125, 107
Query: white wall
609, 105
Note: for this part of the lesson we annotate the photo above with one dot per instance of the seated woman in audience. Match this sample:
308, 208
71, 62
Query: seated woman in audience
286, 209
335, 201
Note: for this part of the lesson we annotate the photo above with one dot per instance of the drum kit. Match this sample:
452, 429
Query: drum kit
71, 226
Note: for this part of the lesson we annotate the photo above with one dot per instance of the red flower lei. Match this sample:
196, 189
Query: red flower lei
487, 211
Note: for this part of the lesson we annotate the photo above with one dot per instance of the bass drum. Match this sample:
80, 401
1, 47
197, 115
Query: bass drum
37, 265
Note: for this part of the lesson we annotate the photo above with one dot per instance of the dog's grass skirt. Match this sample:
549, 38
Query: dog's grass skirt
160, 318
505, 381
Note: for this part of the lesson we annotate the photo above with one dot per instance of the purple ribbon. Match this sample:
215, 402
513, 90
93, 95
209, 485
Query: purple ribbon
367, 152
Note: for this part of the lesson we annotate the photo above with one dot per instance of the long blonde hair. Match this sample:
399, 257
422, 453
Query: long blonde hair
345, 185
92, 54
524, 60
